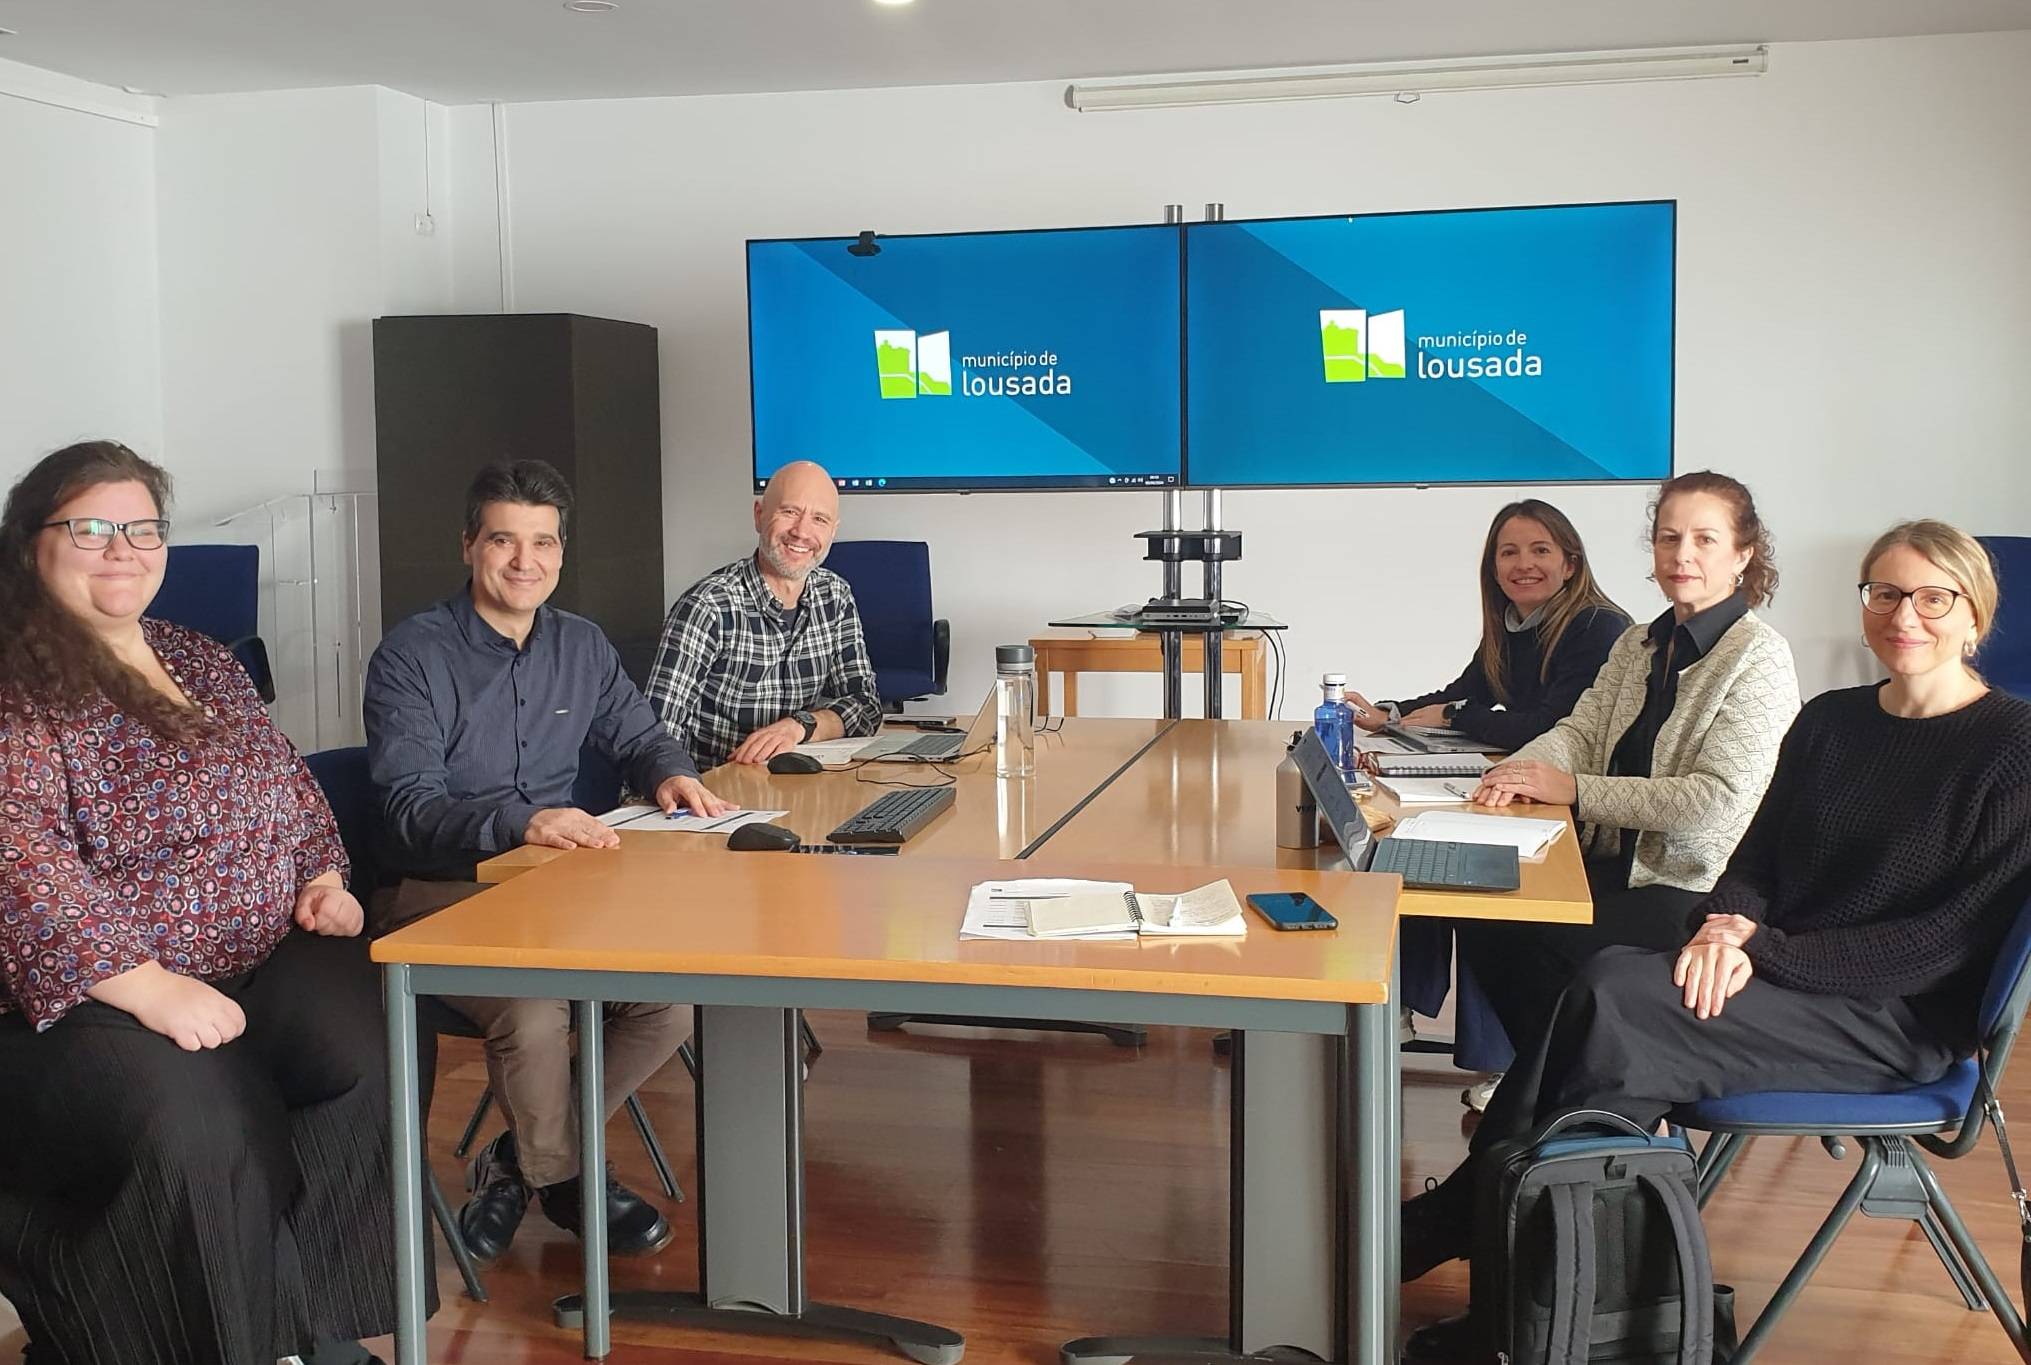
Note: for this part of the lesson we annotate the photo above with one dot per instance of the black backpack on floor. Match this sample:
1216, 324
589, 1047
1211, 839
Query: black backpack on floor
1589, 1247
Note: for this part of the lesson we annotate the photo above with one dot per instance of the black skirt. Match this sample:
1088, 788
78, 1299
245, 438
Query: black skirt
222, 1207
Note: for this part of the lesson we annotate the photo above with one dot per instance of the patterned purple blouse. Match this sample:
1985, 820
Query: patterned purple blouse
118, 849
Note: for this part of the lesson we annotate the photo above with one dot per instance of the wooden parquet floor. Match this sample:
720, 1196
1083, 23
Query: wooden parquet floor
1025, 1189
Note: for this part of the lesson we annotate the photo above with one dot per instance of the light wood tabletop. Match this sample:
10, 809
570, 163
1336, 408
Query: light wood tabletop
1206, 793
884, 919
991, 818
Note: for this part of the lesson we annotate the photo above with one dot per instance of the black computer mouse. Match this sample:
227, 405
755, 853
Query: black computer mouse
763, 837
787, 762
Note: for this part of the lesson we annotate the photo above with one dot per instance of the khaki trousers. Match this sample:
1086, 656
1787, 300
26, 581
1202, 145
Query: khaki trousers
529, 1048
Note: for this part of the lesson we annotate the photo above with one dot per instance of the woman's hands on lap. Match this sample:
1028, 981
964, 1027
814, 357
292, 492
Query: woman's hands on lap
182, 1009
1711, 973
329, 910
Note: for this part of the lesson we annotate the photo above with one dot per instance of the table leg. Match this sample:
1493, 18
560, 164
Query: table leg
1214, 700
1375, 1235
1071, 695
406, 1124
1044, 665
751, 1199
1171, 644
1286, 1281
592, 1174
1254, 705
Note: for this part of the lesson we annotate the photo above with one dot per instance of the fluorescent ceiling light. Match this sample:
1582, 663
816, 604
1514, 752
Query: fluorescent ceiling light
1393, 78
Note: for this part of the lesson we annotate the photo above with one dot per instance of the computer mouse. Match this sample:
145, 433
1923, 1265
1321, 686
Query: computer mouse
787, 762
763, 837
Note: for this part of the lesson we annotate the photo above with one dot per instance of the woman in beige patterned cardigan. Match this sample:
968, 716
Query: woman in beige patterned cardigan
1663, 760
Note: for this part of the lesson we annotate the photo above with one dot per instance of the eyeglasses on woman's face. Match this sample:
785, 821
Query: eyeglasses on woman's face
1883, 599
96, 533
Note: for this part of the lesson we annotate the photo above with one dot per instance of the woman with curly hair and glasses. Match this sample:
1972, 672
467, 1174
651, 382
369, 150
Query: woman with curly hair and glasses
195, 1166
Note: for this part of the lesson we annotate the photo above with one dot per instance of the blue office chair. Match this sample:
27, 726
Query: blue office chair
2006, 655
1894, 1180
349, 791
891, 582
215, 590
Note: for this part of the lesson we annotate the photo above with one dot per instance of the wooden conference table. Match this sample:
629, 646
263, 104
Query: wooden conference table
751, 939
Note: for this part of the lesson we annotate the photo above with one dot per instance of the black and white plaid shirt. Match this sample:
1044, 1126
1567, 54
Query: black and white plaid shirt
733, 659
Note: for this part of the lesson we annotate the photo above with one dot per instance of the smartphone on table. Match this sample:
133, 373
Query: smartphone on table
1291, 910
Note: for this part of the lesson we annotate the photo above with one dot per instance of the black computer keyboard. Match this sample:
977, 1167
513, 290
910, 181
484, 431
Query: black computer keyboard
846, 848
1442, 864
895, 817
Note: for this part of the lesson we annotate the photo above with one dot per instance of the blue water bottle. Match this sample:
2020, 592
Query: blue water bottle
1334, 721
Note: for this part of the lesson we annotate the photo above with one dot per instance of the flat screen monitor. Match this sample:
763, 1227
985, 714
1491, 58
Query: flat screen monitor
976, 361
1505, 346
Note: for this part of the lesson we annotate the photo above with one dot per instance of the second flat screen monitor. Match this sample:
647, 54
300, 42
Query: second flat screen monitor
999, 360
1481, 346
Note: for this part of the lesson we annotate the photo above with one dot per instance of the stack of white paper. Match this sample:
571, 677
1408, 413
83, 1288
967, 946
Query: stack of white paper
834, 753
683, 821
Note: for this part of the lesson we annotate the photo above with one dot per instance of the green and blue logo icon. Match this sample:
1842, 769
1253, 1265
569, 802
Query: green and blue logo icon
1359, 345
910, 365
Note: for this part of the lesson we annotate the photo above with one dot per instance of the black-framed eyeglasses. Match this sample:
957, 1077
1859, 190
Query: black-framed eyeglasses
1884, 598
96, 533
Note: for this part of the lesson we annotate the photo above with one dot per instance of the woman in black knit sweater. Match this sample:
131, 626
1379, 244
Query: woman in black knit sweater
1846, 946
1546, 627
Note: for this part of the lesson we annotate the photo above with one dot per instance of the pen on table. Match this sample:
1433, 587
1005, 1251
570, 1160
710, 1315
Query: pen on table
1463, 795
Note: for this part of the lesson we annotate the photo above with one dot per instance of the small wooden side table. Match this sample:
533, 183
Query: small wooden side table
1072, 655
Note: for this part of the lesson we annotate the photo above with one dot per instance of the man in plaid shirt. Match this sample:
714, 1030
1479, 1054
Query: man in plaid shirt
767, 653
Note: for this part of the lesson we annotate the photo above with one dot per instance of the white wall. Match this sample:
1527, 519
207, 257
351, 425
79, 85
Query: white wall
288, 223
1853, 279
286, 228
80, 348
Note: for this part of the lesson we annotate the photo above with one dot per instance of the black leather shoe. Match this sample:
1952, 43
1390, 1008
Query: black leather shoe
1437, 1227
634, 1226
489, 1219
1448, 1339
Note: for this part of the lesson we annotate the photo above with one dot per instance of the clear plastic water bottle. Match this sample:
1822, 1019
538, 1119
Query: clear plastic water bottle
1334, 720
1015, 707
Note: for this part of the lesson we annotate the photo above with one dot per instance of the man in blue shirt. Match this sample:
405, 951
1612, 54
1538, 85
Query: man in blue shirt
476, 711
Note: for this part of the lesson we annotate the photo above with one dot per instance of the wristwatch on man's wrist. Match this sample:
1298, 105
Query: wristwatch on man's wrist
808, 721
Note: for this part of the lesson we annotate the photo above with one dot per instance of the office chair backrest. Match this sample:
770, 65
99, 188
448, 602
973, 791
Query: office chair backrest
2009, 989
2006, 655
891, 582
213, 589
349, 790
598, 788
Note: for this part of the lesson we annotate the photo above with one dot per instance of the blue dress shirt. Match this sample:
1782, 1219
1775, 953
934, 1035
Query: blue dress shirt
468, 737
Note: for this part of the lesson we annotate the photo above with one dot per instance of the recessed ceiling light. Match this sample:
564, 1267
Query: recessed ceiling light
894, 2
592, 6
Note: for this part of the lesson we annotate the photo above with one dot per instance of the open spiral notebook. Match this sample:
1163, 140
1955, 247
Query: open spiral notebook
1062, 908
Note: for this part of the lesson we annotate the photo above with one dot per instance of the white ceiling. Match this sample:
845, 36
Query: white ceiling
459, 51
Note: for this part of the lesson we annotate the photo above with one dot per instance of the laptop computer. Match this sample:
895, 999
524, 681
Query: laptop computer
1424, 863
1432, 739
903, 746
